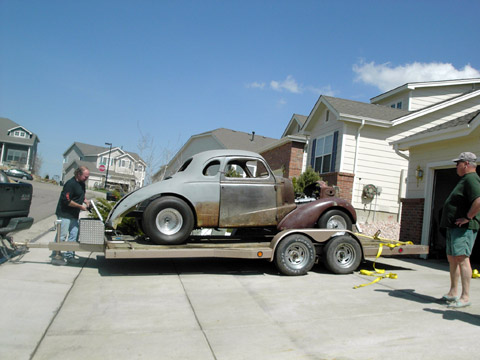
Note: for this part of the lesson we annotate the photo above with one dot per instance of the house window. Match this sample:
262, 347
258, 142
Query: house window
323, 154
327, 115
17, 156
397, 105
19, 133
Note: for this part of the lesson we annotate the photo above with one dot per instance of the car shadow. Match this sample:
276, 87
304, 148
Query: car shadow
152, 267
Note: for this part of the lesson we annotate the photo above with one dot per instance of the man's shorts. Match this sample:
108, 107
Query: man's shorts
460, 241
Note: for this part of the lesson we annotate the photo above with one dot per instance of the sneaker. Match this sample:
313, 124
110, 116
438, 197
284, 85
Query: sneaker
72, 260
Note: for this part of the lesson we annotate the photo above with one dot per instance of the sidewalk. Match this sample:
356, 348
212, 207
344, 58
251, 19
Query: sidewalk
227, 309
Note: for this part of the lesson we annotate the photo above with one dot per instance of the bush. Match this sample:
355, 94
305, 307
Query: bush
128, 224
308, 177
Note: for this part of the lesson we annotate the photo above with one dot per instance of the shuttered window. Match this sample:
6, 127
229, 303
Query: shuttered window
324, 153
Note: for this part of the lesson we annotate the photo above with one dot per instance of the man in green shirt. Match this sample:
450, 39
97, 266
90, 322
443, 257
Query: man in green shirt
459, 217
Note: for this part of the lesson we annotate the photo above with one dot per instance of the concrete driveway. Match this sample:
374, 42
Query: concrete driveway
227, 309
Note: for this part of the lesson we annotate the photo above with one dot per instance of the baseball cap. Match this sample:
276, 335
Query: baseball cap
466, 156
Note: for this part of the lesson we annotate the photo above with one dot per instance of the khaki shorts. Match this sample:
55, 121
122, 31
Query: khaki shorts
460, 241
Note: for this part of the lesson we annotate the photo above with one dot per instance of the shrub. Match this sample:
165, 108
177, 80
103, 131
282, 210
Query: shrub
308, 177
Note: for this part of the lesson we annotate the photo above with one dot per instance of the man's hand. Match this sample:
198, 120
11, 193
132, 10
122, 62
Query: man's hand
461, 221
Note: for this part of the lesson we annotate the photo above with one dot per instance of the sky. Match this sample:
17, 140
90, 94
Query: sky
156, 72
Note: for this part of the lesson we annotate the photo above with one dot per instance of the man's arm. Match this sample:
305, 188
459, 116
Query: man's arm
474, 209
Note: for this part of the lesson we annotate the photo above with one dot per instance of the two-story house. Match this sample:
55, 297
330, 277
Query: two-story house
18, 146
114, 166
354, 145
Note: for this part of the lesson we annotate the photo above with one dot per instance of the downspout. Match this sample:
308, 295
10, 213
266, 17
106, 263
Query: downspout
357, 145
402, 181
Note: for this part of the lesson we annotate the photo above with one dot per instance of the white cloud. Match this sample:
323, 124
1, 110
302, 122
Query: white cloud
289, 84
386, 77
256, 85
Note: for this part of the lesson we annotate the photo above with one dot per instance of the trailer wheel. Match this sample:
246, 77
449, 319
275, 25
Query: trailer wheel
342, 255
295, 255
335, 219
168, 221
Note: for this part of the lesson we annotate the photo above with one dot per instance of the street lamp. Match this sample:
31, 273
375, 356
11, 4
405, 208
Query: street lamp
108, 163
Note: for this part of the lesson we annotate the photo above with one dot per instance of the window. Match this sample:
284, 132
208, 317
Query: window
19, 133
327, 115
246, 169
323, 155
212, 168
17, 155
397, 105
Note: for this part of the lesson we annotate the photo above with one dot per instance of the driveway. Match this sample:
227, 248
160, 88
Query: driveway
227, 309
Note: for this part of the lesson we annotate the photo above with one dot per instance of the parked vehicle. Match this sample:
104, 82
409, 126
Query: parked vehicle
15, 201
115, 195
19, 174
229, 189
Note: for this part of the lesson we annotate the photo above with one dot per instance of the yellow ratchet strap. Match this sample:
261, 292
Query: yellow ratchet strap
475, 274
380, 273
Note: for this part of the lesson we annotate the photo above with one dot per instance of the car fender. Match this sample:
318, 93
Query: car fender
306, 216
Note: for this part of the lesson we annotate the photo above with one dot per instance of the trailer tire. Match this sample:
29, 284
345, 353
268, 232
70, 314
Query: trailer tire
342, 255
335, 219
168, 221
295, 255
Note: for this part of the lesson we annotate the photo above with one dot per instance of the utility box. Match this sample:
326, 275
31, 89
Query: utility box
91, 231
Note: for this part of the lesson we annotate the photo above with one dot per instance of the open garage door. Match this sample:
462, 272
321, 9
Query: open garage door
444, 182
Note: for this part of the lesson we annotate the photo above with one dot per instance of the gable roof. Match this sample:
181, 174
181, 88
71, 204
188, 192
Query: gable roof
416, 85
94, 150
6, 125
231, 139
460, 126
298, 119
356, 111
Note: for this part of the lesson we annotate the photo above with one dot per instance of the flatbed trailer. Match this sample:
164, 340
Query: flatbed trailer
294, 251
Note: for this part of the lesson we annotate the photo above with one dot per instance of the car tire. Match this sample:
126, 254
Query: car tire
342, 255
335, 219
168, 221
295, 255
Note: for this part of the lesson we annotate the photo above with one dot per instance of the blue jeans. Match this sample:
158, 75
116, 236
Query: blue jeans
68, 232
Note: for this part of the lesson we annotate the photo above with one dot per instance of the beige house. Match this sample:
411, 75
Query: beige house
116, 166
432, 176
354, 145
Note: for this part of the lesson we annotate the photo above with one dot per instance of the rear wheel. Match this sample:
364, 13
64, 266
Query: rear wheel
295, 255
342, 255
168, 221
335, 219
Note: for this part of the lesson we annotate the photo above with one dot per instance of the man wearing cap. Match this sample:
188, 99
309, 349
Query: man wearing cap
459, 217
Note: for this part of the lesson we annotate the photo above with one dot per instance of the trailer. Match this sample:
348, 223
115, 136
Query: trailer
294, 251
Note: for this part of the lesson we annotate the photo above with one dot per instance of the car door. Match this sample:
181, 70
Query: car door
247, 194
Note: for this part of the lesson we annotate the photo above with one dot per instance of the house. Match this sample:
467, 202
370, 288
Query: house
18, 146
211, 140
432, 176
353, 145
115, 166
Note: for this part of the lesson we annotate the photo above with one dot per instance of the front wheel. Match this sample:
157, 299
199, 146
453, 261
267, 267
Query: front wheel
168, 221
335, 219
295, 255
342, 255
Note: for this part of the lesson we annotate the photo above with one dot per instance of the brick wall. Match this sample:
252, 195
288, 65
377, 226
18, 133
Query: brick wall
288, 157
344, 182
412, 220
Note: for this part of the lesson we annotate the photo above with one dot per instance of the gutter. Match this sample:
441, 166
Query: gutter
355, 163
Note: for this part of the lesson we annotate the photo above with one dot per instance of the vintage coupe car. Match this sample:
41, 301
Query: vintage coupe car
223, 189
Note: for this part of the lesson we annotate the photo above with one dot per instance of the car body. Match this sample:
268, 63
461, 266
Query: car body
19, 174
232, 189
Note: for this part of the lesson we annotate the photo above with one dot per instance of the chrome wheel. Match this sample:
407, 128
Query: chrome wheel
169, 221
297, 255
337, 222
345, 255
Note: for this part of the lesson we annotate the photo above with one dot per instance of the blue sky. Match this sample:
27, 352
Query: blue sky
112, 70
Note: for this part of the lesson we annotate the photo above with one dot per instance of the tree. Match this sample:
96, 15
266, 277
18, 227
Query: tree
308, 177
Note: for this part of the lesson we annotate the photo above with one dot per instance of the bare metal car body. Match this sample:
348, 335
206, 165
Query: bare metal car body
224, 189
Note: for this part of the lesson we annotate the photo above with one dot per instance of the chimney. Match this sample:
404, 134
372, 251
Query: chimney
253, 136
